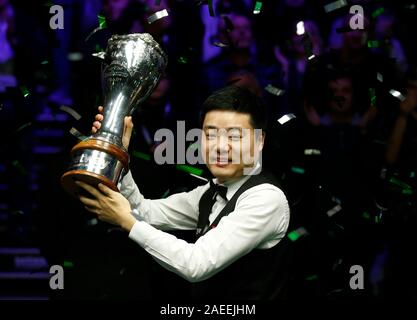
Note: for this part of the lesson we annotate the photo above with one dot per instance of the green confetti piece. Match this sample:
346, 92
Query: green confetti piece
399, 183
23, 126
194, 146
166, 193
293, 236
68, 264
312, 277
45, 62
25, 91
366, 215
412, 174
189, 169
141, 155
373, 44
297, 170
296, 234
377, 219
102, 21
210, 6
182, 60
378, 12
98, 48
258, 7
372, 96
408, 191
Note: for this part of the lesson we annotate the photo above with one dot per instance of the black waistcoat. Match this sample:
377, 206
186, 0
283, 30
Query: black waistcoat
262, 274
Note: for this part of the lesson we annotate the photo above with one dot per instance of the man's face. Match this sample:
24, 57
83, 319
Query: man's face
341, 95
229, 144
241, 35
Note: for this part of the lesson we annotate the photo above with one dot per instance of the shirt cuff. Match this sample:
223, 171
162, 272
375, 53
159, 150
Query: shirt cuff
141, 232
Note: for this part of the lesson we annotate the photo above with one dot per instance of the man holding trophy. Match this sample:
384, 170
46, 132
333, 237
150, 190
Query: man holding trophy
241, 249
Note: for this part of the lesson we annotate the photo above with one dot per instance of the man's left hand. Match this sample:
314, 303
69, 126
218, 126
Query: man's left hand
108, 205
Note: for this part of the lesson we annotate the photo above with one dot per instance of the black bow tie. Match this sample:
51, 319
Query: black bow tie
218, 190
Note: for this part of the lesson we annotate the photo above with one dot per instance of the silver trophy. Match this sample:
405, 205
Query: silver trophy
133, 65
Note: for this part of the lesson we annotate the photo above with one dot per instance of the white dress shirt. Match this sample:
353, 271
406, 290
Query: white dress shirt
260, 220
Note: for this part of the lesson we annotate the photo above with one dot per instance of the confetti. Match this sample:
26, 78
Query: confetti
373, 44
406, 188
194, 146
71, 111
300, 28
297, 170
166, 193
397, 94
286, 118
258, 7
210, 6
141, 155
182, 60
92, 222
189, 169
366, 215
100, 55
157, 15
274, 90
296, 234
220, 44
23, 127
335, 5
102, 24
198, 177
372, 96
102, 21
310, 152
337, 200
75, 56
77, 134
311, 57
44, 62
25, 91
312, 277
68, 264
379, 77
334, 210
377, 12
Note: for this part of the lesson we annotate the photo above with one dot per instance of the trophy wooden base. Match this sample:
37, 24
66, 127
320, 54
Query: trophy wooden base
95, 161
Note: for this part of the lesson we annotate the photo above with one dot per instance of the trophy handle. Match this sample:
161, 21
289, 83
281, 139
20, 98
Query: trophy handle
105, 172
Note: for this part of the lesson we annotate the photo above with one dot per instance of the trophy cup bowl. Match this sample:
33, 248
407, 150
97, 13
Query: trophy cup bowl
133, 65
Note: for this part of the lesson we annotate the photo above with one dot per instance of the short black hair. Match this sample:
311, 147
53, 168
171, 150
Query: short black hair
237, 99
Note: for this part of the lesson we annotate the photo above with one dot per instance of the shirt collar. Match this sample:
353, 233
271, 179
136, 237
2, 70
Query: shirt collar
234, 185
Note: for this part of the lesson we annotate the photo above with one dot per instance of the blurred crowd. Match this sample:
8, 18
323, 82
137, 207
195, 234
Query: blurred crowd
347, 160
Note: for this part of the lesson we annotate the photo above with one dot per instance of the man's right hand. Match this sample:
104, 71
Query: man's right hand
127, 129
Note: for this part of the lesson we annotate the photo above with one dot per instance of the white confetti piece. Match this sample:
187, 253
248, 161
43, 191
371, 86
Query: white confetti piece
77, 134
335, 5
71, 111
274, 90
286, 118
334, 210
397, 94
157, 15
